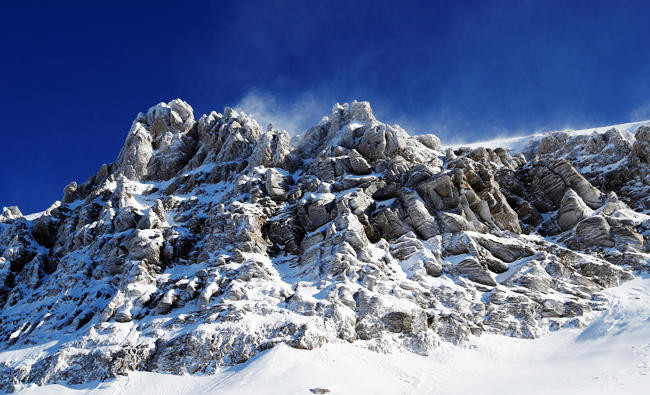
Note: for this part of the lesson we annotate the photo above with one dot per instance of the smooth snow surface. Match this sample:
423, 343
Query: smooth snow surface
610, 356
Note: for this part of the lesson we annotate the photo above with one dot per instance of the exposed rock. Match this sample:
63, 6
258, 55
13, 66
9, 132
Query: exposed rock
44, 230
574, 180
572, 210
642, 143
627, 238
358, 163
403, 322
315, 211
476, 272
319, 390
272, 150
11, 212
418, 216
429, 140
276, 185
595, 231
69, 192
453, 222
389, 225
209, 241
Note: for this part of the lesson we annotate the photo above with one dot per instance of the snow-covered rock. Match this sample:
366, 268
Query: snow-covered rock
207, 242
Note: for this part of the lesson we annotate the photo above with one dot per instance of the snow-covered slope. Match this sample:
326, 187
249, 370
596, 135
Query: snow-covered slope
518, 144
610, 356
209, 242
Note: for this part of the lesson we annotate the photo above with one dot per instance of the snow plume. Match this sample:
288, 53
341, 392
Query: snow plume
294, 116
640, 112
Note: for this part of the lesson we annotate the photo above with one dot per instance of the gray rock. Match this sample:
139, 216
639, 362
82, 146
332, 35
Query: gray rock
69, 192
126, 218
507, 252
276, 184
402, 322
272, 149
145, 245
595, 231
574, 180
572, 210
389, 225
642, 143
315, 212
453, 222
44, 230
429, 140
627, 238
476, 272
358, 164
418, 216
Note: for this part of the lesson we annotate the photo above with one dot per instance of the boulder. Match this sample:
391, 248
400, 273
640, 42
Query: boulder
315, 211
272, 149
388, 224
505, 250
595, 231
627, 238
69, 192
276, 184
126, 218
418, 216
358, 164
476, 272
145, 245
574, 180
430, 141
440, 193
404, 322
572, 210
453, 222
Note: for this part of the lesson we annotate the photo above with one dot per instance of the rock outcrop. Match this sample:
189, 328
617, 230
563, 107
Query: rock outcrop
208, 241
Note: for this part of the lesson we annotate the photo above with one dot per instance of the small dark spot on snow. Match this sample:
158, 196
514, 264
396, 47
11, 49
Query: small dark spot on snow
319, 390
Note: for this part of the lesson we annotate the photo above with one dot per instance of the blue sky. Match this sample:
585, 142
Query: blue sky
74, 75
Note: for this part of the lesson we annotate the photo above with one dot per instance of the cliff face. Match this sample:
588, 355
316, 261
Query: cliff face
209, 241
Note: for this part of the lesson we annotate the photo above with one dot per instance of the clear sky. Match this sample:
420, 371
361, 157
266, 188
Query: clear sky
74, 75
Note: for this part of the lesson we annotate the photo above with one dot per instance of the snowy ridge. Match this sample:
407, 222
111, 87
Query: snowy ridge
518, 144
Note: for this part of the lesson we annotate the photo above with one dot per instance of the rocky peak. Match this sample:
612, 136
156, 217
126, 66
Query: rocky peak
9, 213
158, 142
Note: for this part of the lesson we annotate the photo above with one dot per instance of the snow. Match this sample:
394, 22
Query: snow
515, 144
355, 125
34, 216
609, 356
518, 143
26, 353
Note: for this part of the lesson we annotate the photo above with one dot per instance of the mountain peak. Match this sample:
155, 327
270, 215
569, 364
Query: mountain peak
214, 240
